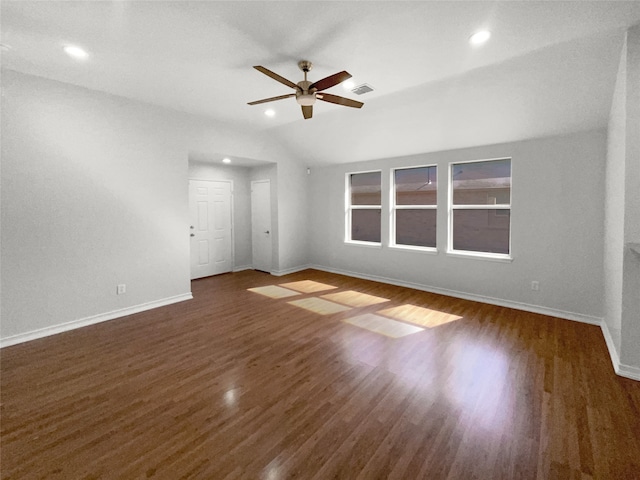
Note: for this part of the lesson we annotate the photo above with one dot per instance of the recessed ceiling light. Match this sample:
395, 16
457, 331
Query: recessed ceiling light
348, 85
269, 113
480, 37
226, 160
76, 52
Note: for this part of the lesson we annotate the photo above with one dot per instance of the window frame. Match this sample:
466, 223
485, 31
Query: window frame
501, 257
394, 207
349, 208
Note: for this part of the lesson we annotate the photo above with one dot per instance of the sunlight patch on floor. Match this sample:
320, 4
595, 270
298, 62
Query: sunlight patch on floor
354, 299
307, 286
384, 326
318, 305
424, 317
273, 291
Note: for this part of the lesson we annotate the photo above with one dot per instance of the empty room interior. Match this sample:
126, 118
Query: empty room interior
318, 240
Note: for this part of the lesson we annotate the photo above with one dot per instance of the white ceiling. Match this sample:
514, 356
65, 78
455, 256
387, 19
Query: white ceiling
549, 67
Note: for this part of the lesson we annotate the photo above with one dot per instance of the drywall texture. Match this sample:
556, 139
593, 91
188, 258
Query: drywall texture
292, 215
622, 213
94, 194
630, 344
614, 207
557, 227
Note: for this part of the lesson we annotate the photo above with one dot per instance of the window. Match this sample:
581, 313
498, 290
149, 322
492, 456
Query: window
364, 206
480, 208
414, 207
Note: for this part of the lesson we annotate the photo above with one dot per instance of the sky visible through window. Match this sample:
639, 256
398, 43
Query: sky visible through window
492, 170
482, 183
416, 186
366, 188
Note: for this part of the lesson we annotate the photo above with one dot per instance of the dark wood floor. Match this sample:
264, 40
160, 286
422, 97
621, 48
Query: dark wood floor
234, 384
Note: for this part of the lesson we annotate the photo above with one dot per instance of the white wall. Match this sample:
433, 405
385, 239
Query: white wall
630, 351
292, 216
94, 194
203, 170
614, 208
557, 228
622, 218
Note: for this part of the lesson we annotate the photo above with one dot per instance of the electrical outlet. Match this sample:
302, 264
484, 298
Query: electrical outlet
122, 289
535, 286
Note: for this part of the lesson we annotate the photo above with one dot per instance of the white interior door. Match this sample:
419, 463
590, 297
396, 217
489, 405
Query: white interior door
261, 224
211, 228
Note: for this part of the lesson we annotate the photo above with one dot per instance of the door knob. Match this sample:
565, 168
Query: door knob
267, 231
192, 235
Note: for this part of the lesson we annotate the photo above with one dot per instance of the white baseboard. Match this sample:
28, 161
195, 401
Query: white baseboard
611, 346
242, 267
578, 317
279, 273
627, 371
83, 322
276, 273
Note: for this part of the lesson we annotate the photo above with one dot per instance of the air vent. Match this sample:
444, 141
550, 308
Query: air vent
362, 89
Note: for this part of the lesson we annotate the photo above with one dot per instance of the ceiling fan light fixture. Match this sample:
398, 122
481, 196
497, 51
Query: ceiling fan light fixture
306, 99
307, 92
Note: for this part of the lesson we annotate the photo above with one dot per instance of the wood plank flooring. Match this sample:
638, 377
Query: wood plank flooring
239, 385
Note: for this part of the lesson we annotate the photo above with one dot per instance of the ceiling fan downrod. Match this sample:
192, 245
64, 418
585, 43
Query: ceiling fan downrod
305, 97
307, 92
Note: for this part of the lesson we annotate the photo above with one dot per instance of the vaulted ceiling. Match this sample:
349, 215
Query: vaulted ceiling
549, 67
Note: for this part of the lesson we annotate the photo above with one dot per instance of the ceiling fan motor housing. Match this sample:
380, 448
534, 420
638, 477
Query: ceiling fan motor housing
303, 96
306, 92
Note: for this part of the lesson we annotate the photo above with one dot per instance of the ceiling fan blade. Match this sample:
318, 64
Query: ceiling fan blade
272, 99
276, 77
330, 81
347, 102
307, 111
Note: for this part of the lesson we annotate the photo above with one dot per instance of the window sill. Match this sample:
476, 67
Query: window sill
353, 243
480, 256
409, 248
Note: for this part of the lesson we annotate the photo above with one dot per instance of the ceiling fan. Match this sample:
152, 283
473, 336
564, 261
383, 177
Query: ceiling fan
306, 92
